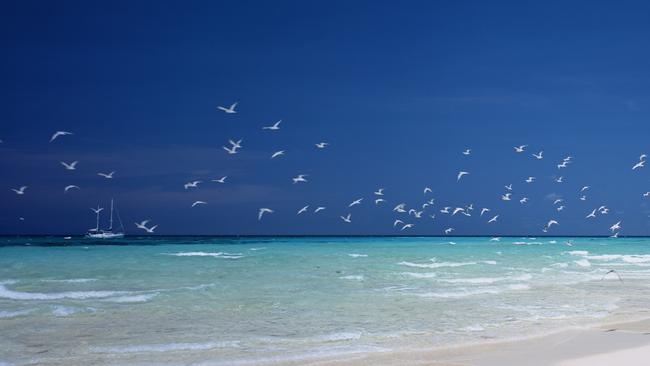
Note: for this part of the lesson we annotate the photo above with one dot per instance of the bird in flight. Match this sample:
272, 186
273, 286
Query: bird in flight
520, 148
616, 227
20, 191
274, 127
196, 203
106, 175
449, 230
523, 200
530, 179
71, 166
193, 184
493, 219
231, 151
509, 187
638, 165
560, 179
506, 197
318, 209
347, 218
143, 225
379, 200
584, 188
262, 211
407, 226
460, 175
592, 214
67, 188
379, 192
467, 152
427, 189
230, 109
57, 134
398, 221
300, 178
277, 153
221, 180
484, 210
355, 202
539, 156
322, 145
304, 209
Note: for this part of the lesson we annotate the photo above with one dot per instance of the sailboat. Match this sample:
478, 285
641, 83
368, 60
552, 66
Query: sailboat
97, 233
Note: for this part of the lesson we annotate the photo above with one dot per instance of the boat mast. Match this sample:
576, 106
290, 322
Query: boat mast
111, 222
97, 212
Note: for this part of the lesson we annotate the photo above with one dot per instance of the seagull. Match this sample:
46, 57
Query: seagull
67, 188
612, 271
300, 178
143, 226
230, 109
523, 200
520, 148
304, 209
427, 189
604, 211
277, 153
467, 152
318, 209
509, 187
221, 180
140, 225
60, 133
20, 191
100, 209
494, 219
322, 145
71, 166
379, 192
432, 216
583, 198
230, 151
484, 210
560, 179
592, 214
530, 179
407, 226
640, 164
106, 175
616, 226
506, 197
379, 200
357, 202
274, 127
262, 211
558, 201
551, 222
563, 165
560, 208
460, 175
445, 210
646, 194
642, 157
449, 230
584, 188
398, 221
400, 207
193, 184
457, 210
199, 203
539, 156
236, 145
347, 218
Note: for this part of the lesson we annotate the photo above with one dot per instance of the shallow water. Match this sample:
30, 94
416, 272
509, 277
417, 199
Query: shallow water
207, 300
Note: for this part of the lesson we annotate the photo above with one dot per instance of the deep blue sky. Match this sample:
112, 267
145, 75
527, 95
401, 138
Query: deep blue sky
398, 89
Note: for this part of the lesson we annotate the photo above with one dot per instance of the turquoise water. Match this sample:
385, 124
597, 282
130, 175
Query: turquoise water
180, 300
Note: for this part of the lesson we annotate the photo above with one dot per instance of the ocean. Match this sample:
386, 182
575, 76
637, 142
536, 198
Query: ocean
257, 300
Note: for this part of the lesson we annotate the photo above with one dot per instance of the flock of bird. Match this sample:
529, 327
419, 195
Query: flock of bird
405, 216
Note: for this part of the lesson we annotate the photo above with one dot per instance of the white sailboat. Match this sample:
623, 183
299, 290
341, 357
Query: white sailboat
97, 233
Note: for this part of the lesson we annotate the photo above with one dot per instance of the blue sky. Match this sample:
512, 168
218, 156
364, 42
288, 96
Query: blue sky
399, 90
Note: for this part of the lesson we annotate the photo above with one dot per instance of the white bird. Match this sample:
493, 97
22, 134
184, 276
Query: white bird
432, 216
584, 188
318, 209
520, 148
616, 226
199, 203
460, 175
59, 133
71, 166
551, 222
356, 202
151, 229
592, 214
193, 184
457, 210
322, 145
300, 178
67, 188
646, 194
304, 209
347, 218
484, 210
274, 127
235, 144
221, 180
506, 197
560, 208
407, 226
20, 191
643, 156
558, 201
523, 200
100, 209
106, 175
563, 165
583, 198
398, 221
509, 187
494, 219
379, 200
445, 210
604, 211
143, 226
230, 109
530, 179
467, 152
140, 225
400, 207
262, 211
277, 153
230, 151
449, 230
559, 179
379, 192
427, 189
539, 155
638, 165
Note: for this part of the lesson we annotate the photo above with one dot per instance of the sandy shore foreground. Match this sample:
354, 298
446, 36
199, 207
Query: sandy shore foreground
614, 344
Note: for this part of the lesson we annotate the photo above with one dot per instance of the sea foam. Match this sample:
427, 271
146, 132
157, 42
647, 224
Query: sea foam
208, 254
